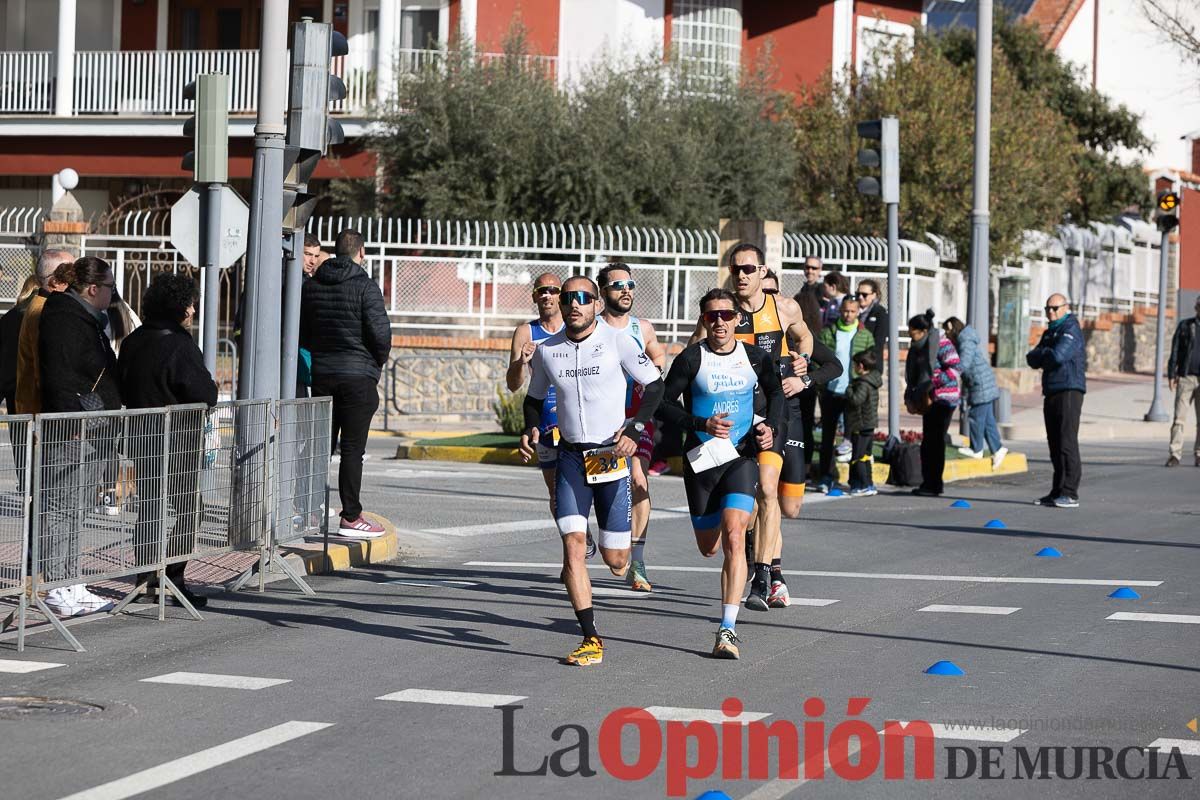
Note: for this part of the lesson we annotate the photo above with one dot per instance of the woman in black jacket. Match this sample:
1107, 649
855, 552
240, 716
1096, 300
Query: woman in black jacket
160, 365
78, 373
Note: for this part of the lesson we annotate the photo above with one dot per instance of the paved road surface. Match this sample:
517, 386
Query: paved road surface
385, 684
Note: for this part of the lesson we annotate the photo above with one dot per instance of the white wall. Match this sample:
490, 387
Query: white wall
33, 24
589, 29
1133, 70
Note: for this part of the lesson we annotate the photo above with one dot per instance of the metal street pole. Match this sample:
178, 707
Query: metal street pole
980, 277
210, 224
293, 279
259, 376
1157, 412
893, 294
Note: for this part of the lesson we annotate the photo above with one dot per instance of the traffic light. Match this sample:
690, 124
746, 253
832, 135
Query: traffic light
1168, 210
208, 127
310, 130
886, 159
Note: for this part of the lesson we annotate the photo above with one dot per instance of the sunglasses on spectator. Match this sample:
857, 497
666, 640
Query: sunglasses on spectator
578, 297
1055, 308
543, 291
863, 294
620, 286
770, 291
723, 314
745, 269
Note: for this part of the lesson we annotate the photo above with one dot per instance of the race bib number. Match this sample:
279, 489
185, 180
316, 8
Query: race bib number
602, 465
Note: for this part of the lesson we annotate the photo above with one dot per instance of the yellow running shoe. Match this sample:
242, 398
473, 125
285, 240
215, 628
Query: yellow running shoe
637, 577
726, 645
590, 651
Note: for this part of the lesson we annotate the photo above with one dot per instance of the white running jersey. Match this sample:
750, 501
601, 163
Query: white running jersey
589, 378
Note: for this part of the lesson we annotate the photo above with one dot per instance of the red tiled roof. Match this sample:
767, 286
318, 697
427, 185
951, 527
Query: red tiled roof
1053, 17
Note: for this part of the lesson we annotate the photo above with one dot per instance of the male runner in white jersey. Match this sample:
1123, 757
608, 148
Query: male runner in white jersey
586, 363
616, 286
769, 322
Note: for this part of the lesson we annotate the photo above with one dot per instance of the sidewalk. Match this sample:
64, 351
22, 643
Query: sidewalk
1114, 408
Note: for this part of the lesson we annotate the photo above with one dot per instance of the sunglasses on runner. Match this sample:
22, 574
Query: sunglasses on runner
543, 291
723, 314
622, 285
745, 269
578, 297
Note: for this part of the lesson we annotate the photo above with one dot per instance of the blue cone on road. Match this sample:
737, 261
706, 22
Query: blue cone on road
713, 794
995, 523
1048, 552
945, 668
1125, 593
960, 504
836, 493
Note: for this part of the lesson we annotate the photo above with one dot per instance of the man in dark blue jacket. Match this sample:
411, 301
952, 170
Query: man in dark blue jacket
1060, 355
345, 326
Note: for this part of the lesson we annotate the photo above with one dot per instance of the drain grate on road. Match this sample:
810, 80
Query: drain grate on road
17, 708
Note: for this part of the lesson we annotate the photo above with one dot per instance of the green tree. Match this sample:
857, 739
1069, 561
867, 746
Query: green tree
1106, 181
630, 143
1033, 152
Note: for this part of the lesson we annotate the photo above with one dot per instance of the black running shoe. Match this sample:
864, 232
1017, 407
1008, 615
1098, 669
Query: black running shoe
759, 589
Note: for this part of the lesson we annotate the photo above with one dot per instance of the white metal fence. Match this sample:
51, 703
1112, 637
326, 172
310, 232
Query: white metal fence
26, 82
472, 278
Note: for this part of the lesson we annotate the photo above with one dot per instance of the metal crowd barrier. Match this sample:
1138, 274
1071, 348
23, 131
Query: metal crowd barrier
96, 496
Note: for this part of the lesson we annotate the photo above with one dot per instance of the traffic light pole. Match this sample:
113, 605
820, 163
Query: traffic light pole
1157, 412
293, 279
210, 225
259, 374
893, 293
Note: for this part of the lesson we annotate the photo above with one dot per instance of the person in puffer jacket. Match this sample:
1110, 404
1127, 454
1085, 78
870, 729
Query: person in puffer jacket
931, 375
344, 325
981, 392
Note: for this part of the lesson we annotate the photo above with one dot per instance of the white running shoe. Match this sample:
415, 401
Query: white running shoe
967, 452
998, 457
61, 601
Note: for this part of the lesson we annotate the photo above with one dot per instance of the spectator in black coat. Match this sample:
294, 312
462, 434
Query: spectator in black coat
10, 336
873, 316
160, 365
78, 373
344, 325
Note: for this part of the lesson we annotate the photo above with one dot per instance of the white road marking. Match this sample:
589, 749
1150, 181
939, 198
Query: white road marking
1188, 747
216, 681
997, 610
970, 733
869, 575
22, 667
442, 698
495, 527
819, 602
439, 583
1135, 616
713, 715
612, 591
185, 767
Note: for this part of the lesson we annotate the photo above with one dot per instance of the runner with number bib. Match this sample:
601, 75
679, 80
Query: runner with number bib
586, 364
617, 285
719, 378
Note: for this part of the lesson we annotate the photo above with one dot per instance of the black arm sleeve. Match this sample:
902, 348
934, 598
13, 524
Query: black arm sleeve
828, 367
532, 408
772, 389
1172, 366
682, 371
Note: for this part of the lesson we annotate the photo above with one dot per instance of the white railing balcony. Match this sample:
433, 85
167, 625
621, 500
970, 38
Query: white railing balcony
27, 82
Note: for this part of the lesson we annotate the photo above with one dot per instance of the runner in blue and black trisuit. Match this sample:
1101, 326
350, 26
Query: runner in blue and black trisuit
717, 377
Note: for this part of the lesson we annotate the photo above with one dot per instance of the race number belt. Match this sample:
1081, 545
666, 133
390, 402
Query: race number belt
601, 465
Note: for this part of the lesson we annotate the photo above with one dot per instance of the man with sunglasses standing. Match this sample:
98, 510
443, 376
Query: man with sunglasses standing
719, 378
586, 364
616, 286
525, 341
768, 322
1060, 355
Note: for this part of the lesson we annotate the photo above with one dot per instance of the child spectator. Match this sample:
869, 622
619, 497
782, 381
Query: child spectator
862, 417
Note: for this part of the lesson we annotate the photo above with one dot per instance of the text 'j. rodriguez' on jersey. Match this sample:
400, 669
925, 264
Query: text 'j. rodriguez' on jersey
589, 379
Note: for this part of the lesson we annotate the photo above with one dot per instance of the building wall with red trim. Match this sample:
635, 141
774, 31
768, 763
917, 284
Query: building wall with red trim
494, 19
799, 36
